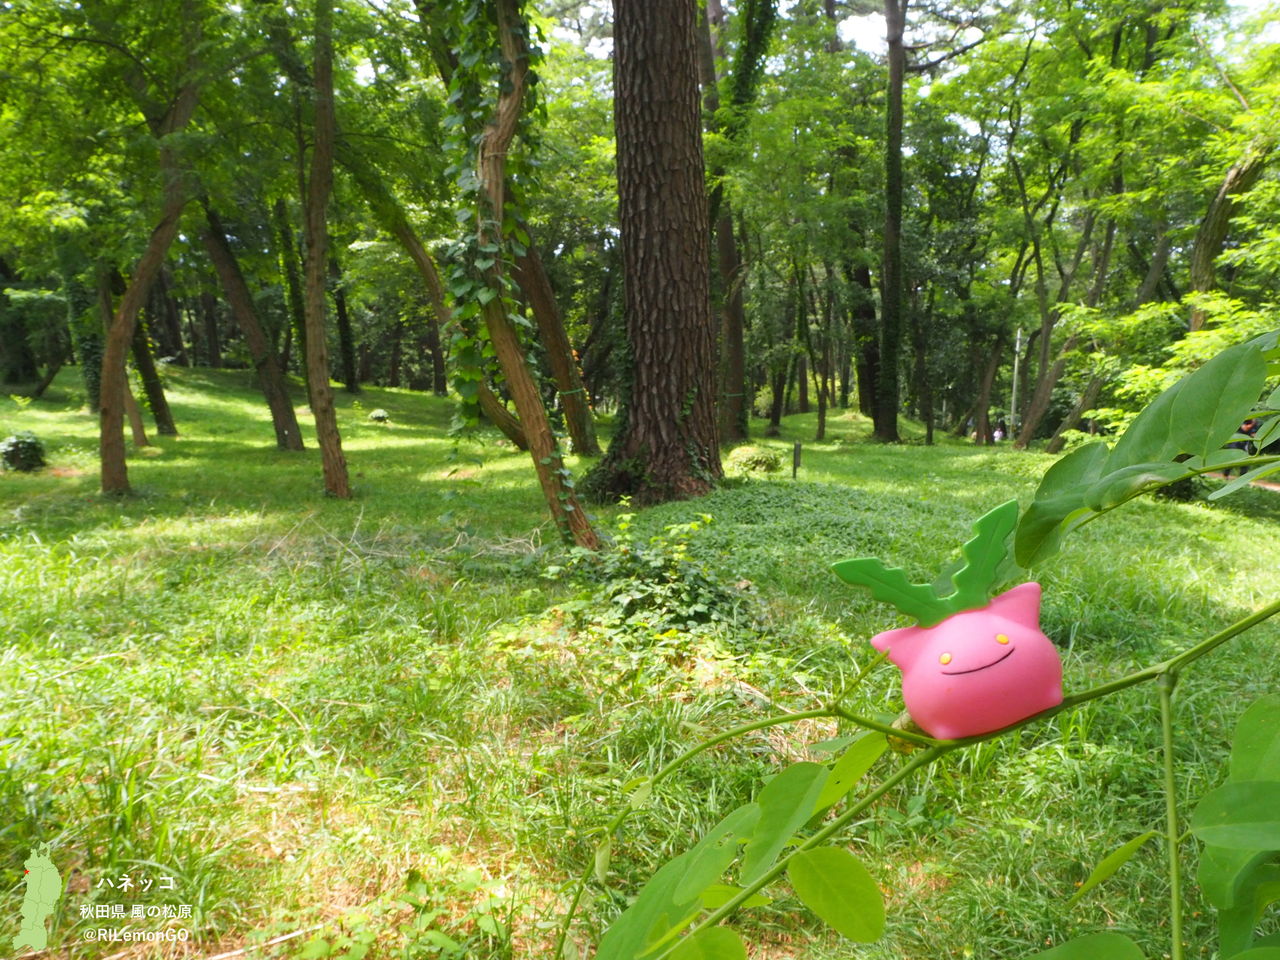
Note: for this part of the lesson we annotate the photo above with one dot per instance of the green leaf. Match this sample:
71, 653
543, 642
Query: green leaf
718, 894
1221, 872
1200, 412
1242, 816
709, 859
890, 584
850, 768
1255, 751
485, 294
603, 854
1257, 473
983, 556
713, 943
1109, 864
833, 884
1258, 953
786, 804
1095, 946
1059, 498
1126, 483
315, 948
1255, 893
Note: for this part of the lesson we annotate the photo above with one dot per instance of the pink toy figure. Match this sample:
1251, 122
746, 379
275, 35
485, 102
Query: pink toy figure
978, 670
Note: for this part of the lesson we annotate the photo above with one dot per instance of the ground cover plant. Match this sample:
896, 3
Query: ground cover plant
398, 724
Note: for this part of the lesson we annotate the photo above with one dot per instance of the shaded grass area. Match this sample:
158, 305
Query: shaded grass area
401, 718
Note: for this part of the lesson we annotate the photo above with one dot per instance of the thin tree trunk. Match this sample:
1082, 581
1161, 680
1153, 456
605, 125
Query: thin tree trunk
501, 417
439, 381
1212, 233
293, 285
270, 378
548, 461
156, 400
346, 340
983, 405
209, 319
778, 385
114, 472
531, 275
1086, 402
336, 481
134, 411
885, 415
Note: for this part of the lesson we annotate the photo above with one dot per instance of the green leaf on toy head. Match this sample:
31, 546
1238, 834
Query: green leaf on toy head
984, 557
891, 585
985, 561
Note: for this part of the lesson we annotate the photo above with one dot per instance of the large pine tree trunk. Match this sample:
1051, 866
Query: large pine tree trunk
669, 447
270, 378
336, 482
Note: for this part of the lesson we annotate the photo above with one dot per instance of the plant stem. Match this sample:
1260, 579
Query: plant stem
1166, 683
834, 827
565, 925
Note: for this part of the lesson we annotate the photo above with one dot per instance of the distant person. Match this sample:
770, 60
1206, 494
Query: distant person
1002, 430
1249, 428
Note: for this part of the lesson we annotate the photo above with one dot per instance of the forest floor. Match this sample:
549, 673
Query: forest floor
393, 725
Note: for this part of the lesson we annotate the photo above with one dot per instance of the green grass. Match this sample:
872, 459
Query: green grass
305, 710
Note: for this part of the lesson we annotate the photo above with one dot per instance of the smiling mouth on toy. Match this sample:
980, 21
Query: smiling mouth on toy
956, 673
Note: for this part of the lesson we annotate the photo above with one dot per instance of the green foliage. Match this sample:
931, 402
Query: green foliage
22, 451
657, 585
1179, 434
753, 460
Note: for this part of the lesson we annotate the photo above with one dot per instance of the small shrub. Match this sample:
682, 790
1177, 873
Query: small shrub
22, 451
379, 415
656, 586
754, 460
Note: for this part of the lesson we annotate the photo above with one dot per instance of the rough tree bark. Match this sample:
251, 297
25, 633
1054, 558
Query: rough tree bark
336, 482
270, 378
668, 448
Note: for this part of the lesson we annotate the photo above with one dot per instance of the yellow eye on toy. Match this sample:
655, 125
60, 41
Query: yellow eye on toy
944, 659
1001, 638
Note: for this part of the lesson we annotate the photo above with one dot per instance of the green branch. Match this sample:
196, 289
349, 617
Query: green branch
1167, 683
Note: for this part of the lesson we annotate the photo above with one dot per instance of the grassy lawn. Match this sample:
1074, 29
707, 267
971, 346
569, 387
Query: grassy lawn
398, 720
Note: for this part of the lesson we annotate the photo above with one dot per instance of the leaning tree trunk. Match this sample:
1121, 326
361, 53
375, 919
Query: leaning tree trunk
1086, 402
501, 417
1212, 233
150, 376
548, 461
532, 277
270, 378
114, 472
669, 448
336, 482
